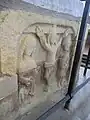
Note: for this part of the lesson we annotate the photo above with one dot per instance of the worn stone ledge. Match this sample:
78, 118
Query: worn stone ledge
8, 85
9, 107
9, 103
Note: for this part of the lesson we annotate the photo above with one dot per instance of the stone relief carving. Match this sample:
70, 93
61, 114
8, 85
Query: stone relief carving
50, 44
27, 89
27, 48
49, 41
63, 62
33, 56
27, 67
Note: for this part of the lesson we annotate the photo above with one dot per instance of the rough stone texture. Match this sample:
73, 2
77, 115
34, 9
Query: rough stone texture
79, 106
8, 106
36, 48
8, 96
8, 85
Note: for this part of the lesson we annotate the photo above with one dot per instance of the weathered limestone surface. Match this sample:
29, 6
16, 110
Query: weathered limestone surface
8, 95
9, 107
8, 85
39, 50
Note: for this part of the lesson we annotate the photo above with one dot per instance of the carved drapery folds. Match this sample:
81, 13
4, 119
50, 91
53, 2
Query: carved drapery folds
51, 44
63, 62
51, 38
26, 67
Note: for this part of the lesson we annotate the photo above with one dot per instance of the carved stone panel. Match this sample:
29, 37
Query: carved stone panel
50, 38
39, 49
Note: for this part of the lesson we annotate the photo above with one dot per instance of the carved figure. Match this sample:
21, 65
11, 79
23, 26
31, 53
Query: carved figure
27, 66
27, 48
64, 58
27, 87
50, 44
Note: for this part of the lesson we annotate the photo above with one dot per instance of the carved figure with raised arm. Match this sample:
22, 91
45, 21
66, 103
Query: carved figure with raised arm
50, 44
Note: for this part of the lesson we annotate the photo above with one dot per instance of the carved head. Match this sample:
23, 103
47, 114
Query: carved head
29, 44
26, 49
66, 42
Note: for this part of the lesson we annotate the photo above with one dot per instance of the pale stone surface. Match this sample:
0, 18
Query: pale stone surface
42, 59
9, 107
23, 51
10, 34
21, 48
8, 85
26, 50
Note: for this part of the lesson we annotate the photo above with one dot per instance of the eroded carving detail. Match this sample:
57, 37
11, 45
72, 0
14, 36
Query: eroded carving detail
64, 58
27, 87
27, 68
50, 44
26, 49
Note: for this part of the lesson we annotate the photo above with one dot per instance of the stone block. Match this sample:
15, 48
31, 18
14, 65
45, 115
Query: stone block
40, 49
8, 96
8, 85
9, 107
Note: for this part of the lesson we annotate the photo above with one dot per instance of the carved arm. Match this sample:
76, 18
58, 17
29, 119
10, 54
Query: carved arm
42, 39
